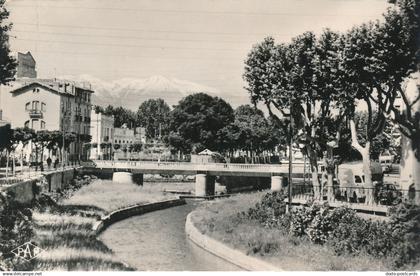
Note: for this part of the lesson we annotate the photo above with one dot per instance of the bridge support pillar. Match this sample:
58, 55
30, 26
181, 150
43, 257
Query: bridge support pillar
138, 179
122, 177
204, 185
276, 183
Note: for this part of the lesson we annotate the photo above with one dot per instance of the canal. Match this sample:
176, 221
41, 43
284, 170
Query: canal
157, 241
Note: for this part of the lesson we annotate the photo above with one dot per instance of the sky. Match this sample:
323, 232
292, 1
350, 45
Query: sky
203, 41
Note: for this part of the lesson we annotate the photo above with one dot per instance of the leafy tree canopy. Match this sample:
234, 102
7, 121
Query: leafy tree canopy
197, 122
153, 115
7, 62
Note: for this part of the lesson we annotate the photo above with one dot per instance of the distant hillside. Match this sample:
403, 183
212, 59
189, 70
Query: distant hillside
130, 92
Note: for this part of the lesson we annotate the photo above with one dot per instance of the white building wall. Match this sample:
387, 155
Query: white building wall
13, 106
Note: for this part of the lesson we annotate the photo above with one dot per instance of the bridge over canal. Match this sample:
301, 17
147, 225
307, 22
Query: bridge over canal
205, 173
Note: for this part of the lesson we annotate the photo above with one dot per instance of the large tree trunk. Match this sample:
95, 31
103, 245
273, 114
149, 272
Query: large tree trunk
367, 189
313, 160
409, 170
330, 170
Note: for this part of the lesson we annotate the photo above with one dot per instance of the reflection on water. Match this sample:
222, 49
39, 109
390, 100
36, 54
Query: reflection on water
157, 241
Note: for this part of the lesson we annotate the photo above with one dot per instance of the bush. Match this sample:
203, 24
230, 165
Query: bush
301, 218
350, 235
405, 233
270, 212
342, 229
321, 228
15, 229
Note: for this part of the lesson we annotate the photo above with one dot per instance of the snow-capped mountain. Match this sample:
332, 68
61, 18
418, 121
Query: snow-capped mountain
131, 92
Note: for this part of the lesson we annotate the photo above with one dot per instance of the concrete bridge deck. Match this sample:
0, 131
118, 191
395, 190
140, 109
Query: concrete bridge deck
212, 169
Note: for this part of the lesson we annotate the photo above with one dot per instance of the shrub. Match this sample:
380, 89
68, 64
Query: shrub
301, 218
398, 239
342, 229
15, 229
350, 235
270, 212
323, 224
405, 233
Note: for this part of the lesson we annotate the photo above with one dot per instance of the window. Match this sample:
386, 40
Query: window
42, 125
34, 123
28, 106
43, 105
27, 124
357, 179
35, 105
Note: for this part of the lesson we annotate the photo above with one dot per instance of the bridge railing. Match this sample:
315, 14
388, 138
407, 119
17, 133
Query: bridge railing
269, 168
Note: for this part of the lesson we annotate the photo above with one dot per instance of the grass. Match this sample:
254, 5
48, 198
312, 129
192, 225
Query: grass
69, 243
65, 232
111, 196
218, 219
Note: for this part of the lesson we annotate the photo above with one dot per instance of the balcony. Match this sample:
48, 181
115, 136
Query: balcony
35, 114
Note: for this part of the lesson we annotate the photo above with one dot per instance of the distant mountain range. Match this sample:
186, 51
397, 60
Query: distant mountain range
131, 92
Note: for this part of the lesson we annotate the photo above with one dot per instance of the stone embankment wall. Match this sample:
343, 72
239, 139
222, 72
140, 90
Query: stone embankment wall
135, 210
225, 252
26, 190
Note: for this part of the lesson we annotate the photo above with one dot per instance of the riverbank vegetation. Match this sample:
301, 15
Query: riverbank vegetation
314, 237
63, 231
65, 234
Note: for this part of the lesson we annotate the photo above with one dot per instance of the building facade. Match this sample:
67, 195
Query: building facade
102, 131
50, 104
26, 65
124, 136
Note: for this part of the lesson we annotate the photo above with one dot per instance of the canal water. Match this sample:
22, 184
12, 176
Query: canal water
157, 241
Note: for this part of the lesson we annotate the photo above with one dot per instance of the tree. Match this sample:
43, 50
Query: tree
396, 56
20, 136
124, 116
153, 115
41, 140
69, 137
117, 146
99, 109
196, 123
298, 80
380, 143
397, 77
121, 115
137, 147
6, 133
251, 131
7, 62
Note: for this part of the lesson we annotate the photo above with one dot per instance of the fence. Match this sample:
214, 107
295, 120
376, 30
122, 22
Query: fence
385, 195
28, 173
266, 168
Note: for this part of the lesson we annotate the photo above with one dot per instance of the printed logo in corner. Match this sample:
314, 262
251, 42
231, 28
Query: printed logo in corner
27, 251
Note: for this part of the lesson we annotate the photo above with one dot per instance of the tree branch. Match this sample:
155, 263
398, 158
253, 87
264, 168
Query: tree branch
278, 108
354, 142
406, 102
369, 122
